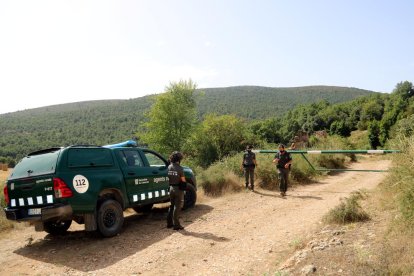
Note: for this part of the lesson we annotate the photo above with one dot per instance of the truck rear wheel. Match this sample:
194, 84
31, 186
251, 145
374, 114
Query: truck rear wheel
57, 227
110, 218
143, 208
190, 197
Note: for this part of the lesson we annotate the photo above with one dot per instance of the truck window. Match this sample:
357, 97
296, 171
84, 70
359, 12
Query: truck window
154, 160
36, 165
89, 157
131, 158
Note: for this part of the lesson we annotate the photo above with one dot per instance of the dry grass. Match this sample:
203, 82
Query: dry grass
216, 184
398, 251
349, 210
5, 224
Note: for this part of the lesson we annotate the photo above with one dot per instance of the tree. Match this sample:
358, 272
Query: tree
340, 128
373, 134
217, 137
268, 130
171, 118
404, 89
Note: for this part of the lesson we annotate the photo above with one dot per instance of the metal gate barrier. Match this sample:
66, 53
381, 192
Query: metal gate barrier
303, 152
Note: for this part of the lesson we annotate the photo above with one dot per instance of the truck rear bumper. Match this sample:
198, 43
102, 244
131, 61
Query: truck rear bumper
54, 212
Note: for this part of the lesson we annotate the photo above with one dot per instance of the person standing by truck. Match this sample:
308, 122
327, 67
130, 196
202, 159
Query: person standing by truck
178, 184
249, 163
283, 161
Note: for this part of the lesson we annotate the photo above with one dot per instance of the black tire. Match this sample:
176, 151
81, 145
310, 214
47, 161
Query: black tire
143, 208
190, 197
110, 218
57, 227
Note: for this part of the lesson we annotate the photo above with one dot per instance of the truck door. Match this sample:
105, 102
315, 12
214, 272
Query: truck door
158, 166
138, 177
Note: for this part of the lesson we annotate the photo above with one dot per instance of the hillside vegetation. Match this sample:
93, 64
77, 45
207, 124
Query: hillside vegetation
255, 102
109, 121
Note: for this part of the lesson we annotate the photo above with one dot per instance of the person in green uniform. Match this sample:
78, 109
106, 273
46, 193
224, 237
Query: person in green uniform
249, 163
178, 184
283, 161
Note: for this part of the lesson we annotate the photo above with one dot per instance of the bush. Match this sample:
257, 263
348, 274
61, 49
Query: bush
359, 140
216, 182
266, 172
349, 210
222, 176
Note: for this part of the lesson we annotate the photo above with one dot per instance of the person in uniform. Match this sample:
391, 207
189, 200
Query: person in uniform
178, 184
249, 163
283, 161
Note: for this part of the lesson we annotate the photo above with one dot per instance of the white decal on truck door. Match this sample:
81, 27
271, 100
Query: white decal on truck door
80, 183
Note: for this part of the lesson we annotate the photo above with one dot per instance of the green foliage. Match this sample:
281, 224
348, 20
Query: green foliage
217, 137
255, 102
404, 127
349, 210
96, 122
373, 134
340, 128
268, 129
171, 118
404, 89
359, 140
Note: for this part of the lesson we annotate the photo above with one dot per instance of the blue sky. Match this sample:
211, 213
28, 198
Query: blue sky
55, 52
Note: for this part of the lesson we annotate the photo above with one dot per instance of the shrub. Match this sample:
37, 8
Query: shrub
359, 140
221, 177
349, 210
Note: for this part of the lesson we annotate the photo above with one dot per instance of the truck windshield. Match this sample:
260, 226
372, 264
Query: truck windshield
35, 165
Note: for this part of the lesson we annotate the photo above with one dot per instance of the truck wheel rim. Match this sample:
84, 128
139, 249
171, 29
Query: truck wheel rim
109, 218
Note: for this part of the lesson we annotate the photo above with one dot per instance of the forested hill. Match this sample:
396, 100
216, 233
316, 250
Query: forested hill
109, 121
256, 102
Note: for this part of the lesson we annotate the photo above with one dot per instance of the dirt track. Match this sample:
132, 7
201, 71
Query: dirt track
244, 233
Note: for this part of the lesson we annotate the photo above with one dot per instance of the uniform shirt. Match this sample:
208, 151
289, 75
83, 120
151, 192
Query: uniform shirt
284, 158
175, 172
248, 159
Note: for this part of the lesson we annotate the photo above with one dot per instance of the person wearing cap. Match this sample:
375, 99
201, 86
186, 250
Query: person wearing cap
249, 163
283, 161
178, 184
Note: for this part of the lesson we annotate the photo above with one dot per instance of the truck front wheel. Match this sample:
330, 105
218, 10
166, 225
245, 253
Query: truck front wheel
57, 227
190, 197
110, 218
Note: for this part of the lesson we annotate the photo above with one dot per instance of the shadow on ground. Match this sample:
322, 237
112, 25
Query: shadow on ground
288, 195
86, 251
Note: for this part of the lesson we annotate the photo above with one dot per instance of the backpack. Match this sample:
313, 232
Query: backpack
248, 158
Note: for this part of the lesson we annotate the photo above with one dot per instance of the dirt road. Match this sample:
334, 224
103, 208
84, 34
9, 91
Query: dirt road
245, 233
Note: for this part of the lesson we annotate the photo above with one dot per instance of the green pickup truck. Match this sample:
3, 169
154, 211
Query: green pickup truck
91, 185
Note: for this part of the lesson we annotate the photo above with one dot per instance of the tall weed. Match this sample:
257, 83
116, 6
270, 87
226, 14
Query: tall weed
401, 179
349, 210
